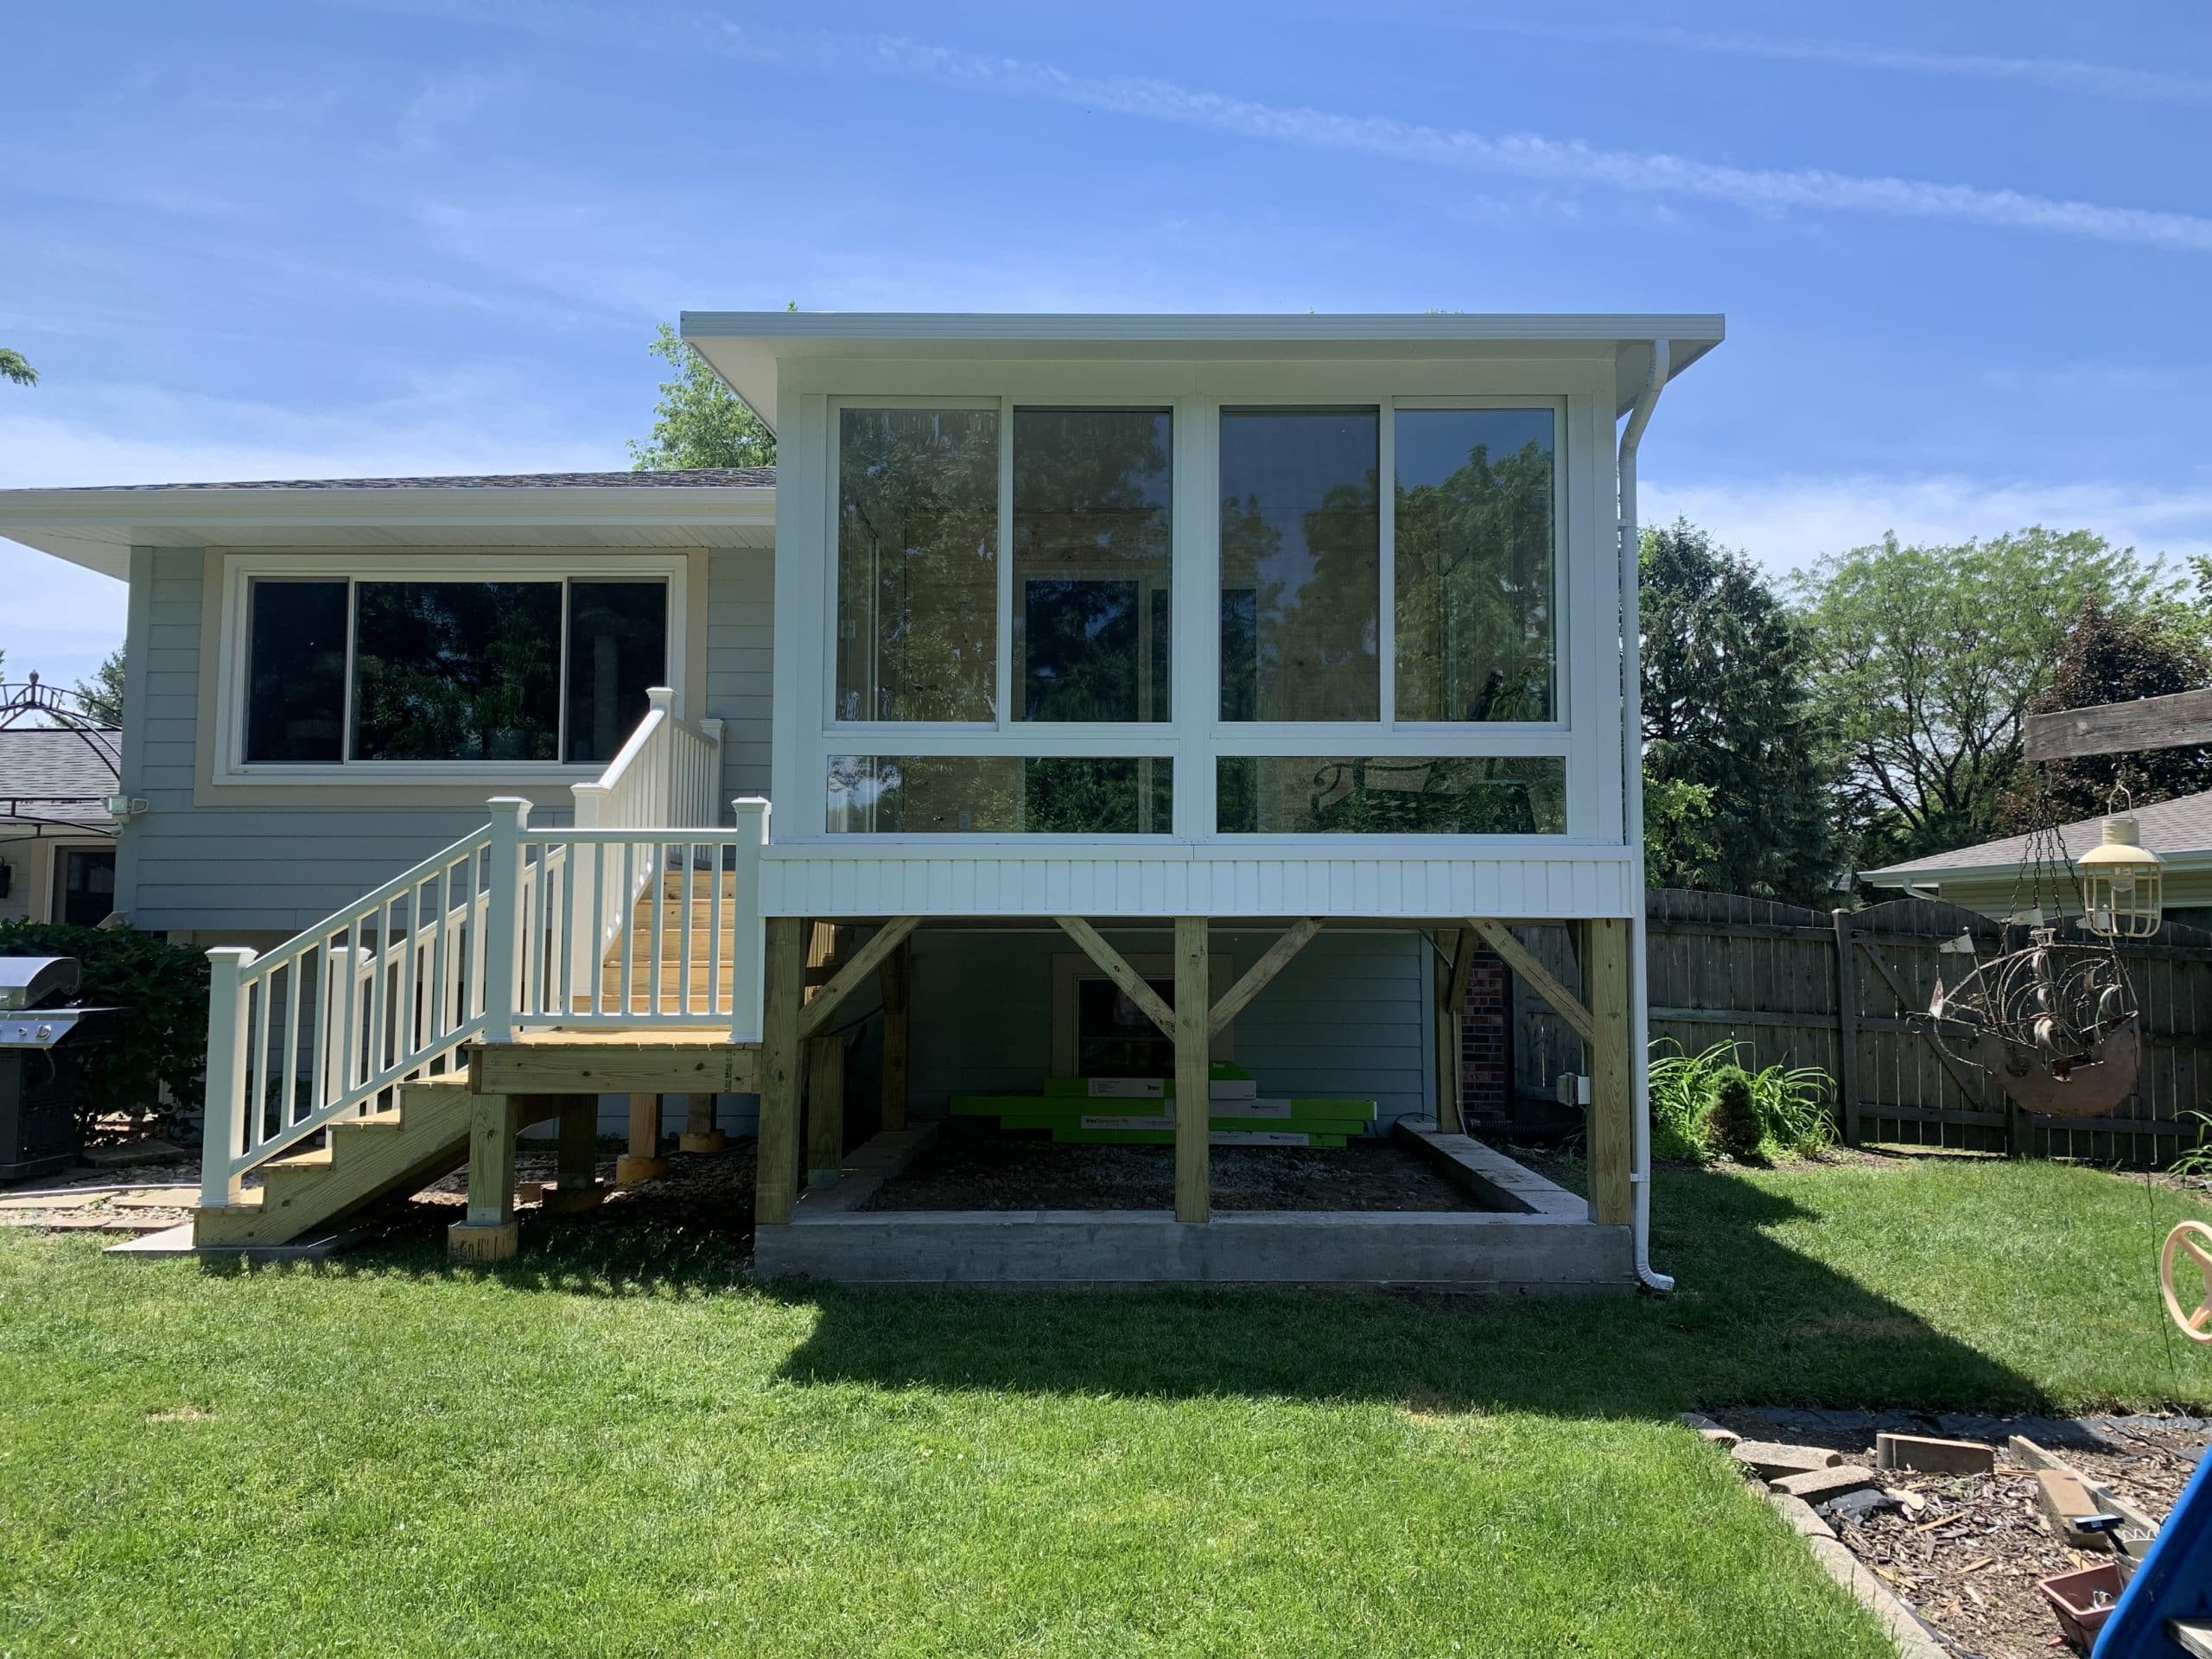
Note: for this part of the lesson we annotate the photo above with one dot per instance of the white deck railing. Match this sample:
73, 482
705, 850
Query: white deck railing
511, 928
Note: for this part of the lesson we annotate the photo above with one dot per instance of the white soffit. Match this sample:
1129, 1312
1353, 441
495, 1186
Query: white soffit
744, 346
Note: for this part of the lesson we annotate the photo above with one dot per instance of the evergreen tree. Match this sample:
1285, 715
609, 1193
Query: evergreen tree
1735, 786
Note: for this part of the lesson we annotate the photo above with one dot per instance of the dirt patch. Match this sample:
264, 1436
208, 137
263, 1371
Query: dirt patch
1964, 1552
978, 1168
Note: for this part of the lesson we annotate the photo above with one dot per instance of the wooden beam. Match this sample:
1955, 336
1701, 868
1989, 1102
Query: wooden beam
888, 937
488, 1233
1451, 1024
1522, 961
1193, 1069
2170, 723
700, 1135
1132, 982
1613, 1088
776, 1178
1239, 996
595, 1061
826, 1107
898, 982
576, 1163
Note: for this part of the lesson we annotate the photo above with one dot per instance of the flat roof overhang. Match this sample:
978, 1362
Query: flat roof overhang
97, 527
745, 346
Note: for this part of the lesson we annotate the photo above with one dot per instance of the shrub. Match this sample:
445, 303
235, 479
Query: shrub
1682, 1096
1735, 1128
160, 1040
1789, 1104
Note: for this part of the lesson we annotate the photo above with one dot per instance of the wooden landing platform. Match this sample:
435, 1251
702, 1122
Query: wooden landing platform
614, 1061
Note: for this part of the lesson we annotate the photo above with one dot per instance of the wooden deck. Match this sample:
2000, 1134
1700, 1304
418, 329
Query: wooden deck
616, 1061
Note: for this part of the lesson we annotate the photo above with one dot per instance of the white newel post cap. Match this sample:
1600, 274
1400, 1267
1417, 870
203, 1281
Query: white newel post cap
661, 697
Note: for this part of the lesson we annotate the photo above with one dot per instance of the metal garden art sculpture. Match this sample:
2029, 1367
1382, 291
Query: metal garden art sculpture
2055, 1022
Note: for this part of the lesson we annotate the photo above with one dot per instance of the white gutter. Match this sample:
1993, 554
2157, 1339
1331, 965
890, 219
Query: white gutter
1639, 1173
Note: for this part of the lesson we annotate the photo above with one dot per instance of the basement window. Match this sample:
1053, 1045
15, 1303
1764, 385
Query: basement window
549, 672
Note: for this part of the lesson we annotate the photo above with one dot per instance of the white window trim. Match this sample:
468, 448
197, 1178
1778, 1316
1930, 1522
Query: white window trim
47, 906
416, 565
1196, 736
1070, 968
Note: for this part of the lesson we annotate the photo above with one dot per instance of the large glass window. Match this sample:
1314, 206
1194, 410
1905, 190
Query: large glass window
1091, 501
1300, 564
1308, 795
998, 794
526, 671
917, 543
1474, 563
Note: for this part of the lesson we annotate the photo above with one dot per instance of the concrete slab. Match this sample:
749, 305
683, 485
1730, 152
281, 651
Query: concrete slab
177, 1240
1488, 1175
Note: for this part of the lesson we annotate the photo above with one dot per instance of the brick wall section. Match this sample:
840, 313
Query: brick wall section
1485, 1044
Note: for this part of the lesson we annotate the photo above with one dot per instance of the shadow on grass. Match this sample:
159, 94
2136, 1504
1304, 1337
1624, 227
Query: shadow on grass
1753, 1321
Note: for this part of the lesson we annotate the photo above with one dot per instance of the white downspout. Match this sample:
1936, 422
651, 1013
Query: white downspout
1633, 823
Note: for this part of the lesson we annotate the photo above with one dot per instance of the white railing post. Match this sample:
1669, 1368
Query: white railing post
223, 1127
661, 700
710, 785
502, 917
748, 933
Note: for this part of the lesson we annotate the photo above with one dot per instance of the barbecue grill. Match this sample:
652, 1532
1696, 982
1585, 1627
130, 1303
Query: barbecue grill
43, 1035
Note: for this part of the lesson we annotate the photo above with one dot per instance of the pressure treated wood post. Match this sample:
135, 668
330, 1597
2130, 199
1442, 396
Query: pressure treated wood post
489, 1233
1606, 989
897, 987
700, 1133
577, 1161
777, 1166
1193, 1071
643, 1162
826, 1107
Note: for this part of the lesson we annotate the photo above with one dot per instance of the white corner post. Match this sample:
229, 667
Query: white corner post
223, 1124
502, 917
1633, 823
748, 929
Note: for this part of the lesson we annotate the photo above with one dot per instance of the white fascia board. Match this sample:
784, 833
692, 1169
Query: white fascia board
1917, 875
743, 346
96, 528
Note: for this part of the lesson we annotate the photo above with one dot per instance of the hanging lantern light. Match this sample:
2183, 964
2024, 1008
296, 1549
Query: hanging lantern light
2122, 883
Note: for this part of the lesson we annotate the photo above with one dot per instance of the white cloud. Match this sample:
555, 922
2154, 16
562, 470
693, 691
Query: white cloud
447, 102
1788, 523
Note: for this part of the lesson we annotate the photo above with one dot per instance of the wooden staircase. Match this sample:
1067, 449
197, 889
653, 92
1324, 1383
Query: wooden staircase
421, 1138
709, 982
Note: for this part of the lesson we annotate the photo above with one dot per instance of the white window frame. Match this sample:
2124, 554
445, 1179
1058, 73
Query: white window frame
1071, 969
241, 570
1583, 731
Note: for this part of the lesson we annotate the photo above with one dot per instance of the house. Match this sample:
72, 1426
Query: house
58, 771
1986, 877
1156, 694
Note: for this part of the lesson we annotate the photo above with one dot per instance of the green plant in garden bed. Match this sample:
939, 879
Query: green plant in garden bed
160, 1040
1787, 1104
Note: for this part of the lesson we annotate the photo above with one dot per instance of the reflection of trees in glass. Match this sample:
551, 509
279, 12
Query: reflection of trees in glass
916, 563
1300, 583
1489, 795
1091, 515
1474, 565
456, 670
998, 794
618, 650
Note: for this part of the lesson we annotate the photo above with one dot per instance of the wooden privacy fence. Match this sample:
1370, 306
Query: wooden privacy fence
1795, 986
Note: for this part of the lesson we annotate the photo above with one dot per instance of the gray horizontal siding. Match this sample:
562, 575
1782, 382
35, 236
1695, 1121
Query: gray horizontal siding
740, 624
1347, 1017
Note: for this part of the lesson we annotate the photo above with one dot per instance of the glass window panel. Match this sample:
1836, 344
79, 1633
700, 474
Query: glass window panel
295, 672
1300, 564
1474, 533
916, 563
618, 649
1306, 795
998, 794
457, 671
1114, 1038
1091, 562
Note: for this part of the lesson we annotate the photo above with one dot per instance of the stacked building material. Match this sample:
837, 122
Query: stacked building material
1141, 1111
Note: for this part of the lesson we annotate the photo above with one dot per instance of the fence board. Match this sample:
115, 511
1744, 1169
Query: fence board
1791, 987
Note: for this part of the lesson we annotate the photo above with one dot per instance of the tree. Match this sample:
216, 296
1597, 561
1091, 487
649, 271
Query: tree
1930, 659
102, 694
15, 367
1736, 783
2113, 656
699, 421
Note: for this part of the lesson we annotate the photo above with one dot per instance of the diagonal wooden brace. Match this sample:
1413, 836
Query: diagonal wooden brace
1116, 967
1522, 961
888, 937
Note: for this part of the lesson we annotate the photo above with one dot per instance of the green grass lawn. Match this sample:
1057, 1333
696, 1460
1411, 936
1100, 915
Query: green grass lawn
615, 1446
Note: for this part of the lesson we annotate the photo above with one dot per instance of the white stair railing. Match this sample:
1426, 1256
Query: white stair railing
512, 928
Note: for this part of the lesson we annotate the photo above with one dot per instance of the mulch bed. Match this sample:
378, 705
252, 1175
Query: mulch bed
1967, 1561
980, 1167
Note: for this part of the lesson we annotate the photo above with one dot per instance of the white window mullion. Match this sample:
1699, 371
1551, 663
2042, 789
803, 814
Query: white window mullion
1194, 612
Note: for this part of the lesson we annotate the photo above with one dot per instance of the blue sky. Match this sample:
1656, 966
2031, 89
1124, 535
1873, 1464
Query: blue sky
1964, 250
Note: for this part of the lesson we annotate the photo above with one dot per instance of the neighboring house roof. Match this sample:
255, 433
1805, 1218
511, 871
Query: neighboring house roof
2178, 830
721, 478
58, 776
